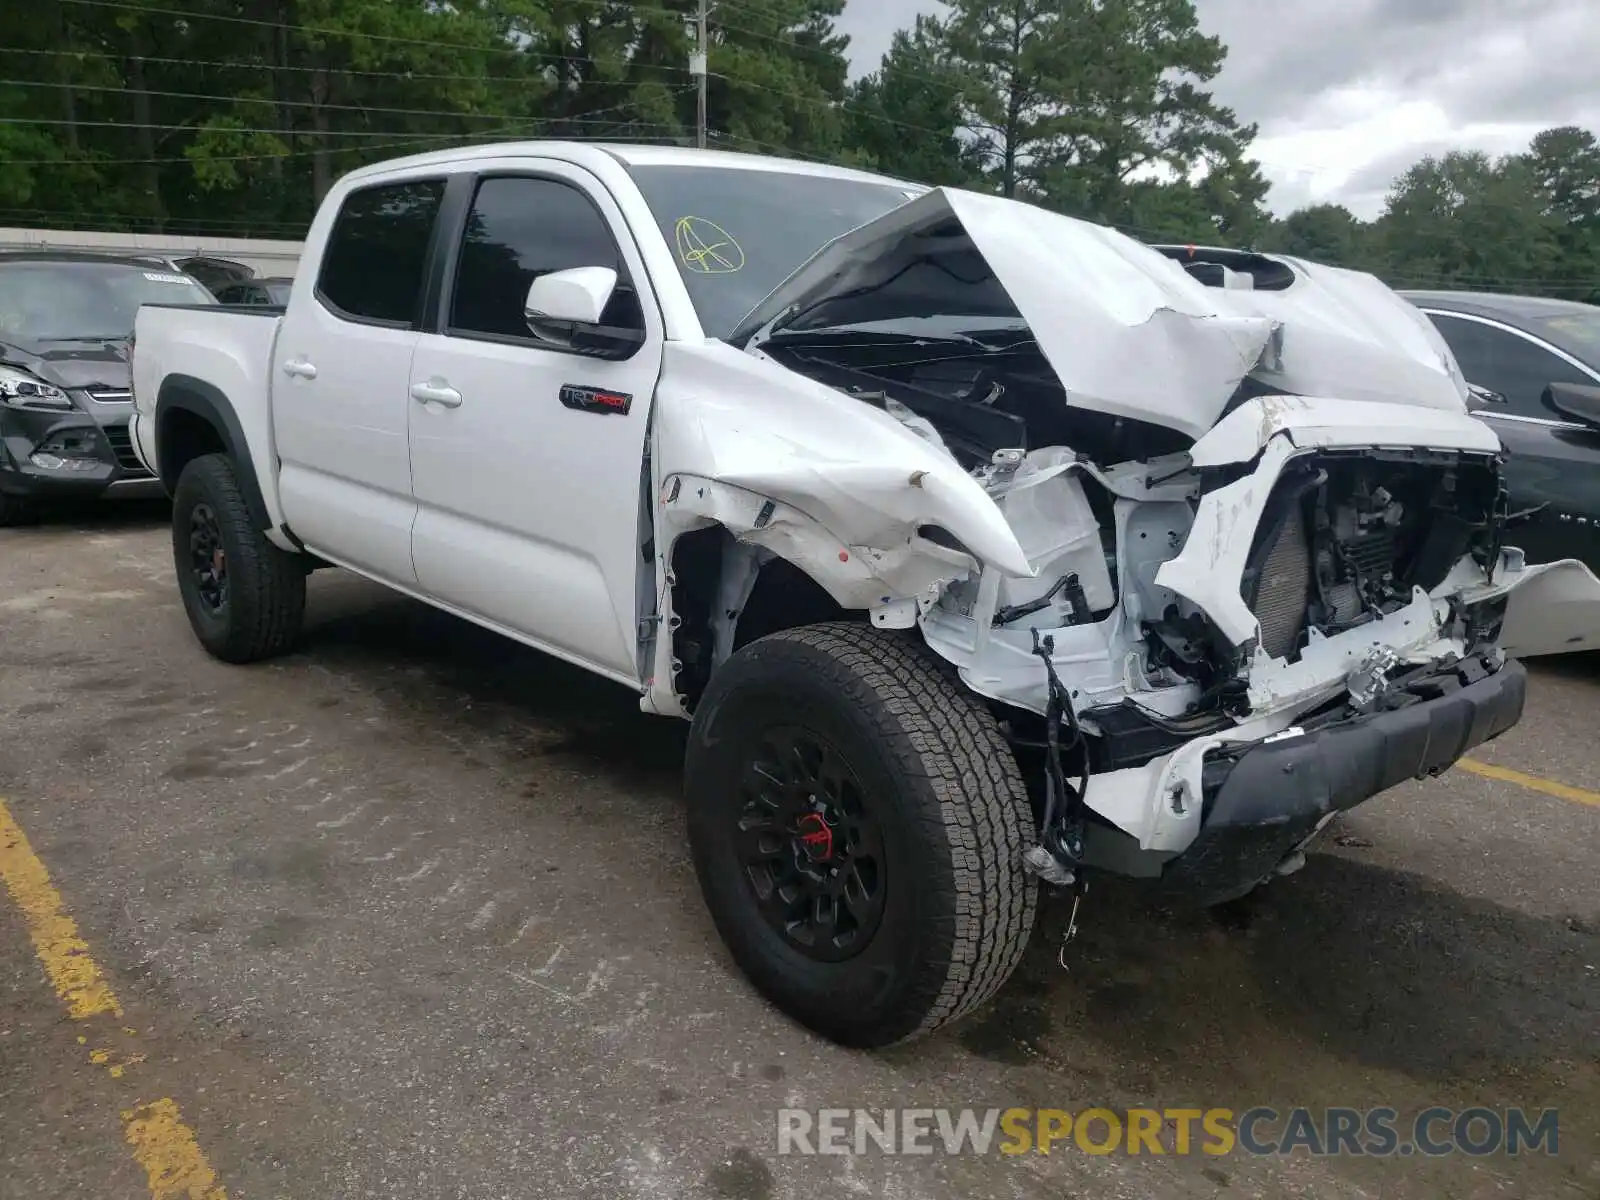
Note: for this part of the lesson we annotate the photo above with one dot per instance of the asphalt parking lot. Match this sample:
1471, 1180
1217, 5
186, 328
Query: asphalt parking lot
410, 914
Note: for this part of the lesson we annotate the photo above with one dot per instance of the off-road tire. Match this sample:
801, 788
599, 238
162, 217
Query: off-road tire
950, 803
266, 596
17, 510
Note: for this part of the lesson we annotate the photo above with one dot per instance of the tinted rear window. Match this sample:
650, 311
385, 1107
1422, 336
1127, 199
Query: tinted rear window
378, 251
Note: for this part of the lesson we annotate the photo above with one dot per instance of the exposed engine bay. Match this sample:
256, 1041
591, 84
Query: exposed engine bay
1105, 673
1147, 525
1114, 675
984, 393
1349, 538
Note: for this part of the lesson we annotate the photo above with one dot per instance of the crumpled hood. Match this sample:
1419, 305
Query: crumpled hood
69, 364
1346, 333
1127, 331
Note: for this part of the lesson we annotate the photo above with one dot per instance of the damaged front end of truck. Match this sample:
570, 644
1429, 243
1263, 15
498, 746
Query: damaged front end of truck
1224, 563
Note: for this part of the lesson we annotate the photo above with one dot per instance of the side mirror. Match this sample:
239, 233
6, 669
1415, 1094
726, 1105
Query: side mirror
1575, 401
573, 297
1482, 397
565, 308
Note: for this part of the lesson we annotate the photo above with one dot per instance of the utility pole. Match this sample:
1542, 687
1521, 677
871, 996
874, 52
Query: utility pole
697, 66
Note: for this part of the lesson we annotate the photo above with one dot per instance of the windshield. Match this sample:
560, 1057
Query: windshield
58, 301
737, 233
1578, 333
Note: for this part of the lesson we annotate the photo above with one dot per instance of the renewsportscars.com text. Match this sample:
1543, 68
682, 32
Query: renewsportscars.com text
1380, 1132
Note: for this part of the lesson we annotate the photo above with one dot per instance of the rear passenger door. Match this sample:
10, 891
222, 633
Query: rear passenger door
528, 502
340, 377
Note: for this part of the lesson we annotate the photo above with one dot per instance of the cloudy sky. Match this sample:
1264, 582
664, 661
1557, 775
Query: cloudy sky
1348, 93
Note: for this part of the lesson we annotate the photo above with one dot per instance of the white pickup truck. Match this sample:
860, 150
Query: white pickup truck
982, 546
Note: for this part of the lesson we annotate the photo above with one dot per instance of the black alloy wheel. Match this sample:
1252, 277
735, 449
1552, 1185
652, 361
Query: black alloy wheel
810, 847
208, 559
857, 822
244, 597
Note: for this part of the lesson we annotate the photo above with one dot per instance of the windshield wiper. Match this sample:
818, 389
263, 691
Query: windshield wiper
845, 335
835, 334
101, 337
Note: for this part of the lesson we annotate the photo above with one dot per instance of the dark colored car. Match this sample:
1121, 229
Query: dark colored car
215, 273
65, 385
257, 293
1535, 364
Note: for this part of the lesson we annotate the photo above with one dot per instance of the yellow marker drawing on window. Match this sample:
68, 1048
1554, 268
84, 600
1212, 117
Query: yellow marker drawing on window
706, 247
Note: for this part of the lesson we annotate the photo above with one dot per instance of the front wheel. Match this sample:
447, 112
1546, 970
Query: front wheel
857, 823
244, 596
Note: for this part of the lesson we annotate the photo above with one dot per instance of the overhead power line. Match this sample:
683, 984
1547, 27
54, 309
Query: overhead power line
334, 31
222, 65
272, 103
404, 142
839, 106
258, 156
790, 43
320, 133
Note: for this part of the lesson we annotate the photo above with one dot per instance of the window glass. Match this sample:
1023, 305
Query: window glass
378, 251
44, 300
1508, 364
1578, 332
520, 229
737, 233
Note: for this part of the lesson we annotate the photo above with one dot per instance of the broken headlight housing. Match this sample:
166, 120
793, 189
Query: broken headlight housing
18, 389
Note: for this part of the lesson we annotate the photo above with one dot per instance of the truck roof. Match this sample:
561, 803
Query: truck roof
628, 154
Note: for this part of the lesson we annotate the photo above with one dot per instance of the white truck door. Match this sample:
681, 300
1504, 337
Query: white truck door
526, 457
341, 373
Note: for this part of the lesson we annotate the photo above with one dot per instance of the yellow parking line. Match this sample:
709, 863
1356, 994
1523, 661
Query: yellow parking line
173, 1162
64, 954
1549, 787
174, 1165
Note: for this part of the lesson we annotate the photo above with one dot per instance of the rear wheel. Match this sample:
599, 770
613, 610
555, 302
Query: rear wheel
244, 596
857, 824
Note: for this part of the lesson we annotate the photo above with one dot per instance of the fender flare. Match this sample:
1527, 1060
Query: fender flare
185, 393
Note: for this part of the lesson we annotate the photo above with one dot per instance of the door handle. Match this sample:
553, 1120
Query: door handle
299, 367
436, 393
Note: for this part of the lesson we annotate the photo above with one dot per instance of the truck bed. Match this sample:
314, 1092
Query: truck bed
199, 349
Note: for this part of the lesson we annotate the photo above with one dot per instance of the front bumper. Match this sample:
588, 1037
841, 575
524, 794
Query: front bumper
68, 454
1262, 803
